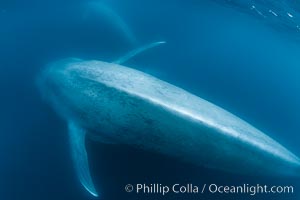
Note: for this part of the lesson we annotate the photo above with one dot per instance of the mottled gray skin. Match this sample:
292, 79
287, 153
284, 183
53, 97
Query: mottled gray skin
121, 105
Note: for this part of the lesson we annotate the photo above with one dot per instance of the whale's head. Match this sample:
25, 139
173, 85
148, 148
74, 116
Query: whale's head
82, 91
69, 86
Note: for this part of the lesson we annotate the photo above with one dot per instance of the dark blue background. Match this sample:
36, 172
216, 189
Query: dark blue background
225, 56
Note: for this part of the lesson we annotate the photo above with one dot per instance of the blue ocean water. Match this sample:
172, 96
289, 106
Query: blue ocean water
218, 50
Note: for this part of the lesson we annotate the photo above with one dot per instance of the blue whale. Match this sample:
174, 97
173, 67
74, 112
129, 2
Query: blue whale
115, 104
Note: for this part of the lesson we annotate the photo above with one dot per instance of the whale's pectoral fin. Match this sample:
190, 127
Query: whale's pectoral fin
79, 156
137, 51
